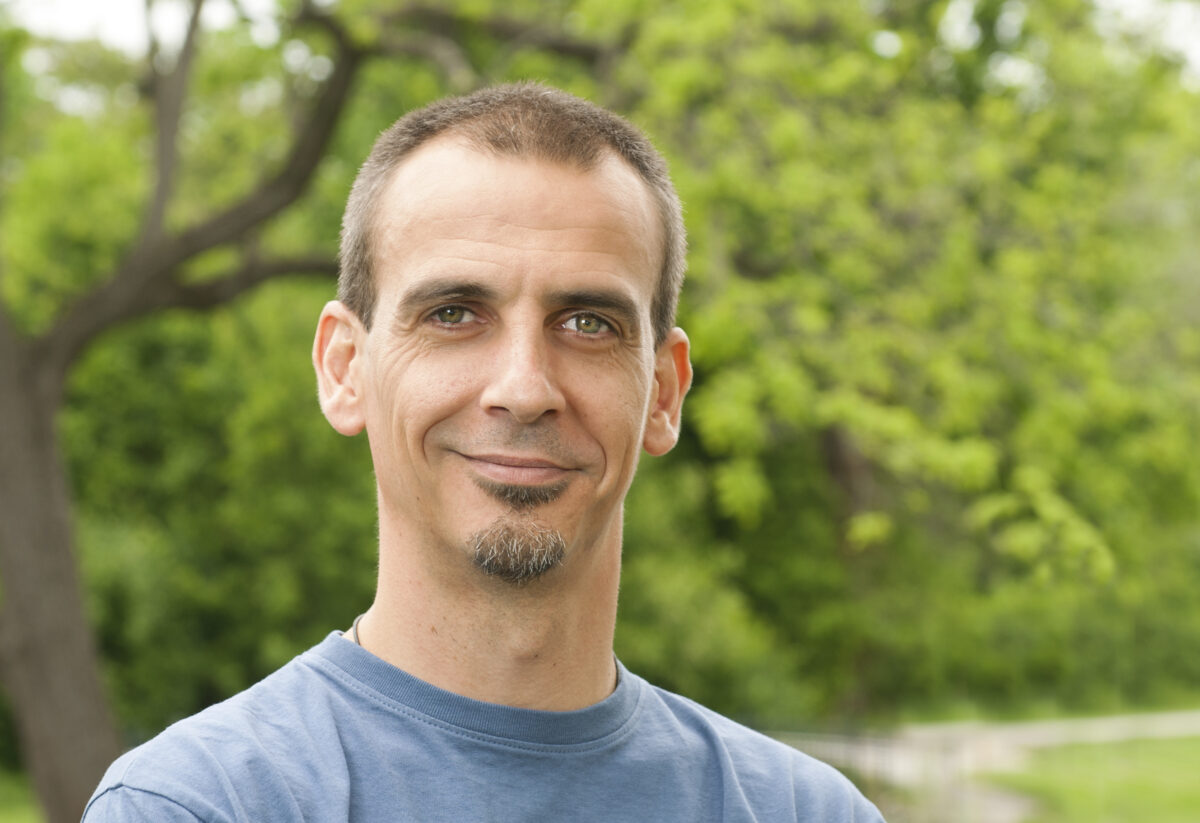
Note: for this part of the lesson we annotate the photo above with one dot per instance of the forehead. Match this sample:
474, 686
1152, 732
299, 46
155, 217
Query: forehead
448, 194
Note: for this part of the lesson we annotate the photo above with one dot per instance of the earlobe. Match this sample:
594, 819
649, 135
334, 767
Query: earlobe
336, 350
672, 379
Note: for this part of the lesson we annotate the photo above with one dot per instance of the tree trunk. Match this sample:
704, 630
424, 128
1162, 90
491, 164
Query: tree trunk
48, 662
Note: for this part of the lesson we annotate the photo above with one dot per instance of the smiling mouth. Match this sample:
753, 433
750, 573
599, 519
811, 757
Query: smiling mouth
517, 471
519, 482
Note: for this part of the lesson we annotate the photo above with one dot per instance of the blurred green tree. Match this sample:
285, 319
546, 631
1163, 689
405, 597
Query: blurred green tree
942, 290
942, 297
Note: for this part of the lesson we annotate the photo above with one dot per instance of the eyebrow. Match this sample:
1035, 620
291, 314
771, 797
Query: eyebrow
436, 291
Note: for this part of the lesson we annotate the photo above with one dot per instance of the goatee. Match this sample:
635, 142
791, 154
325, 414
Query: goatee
517, 551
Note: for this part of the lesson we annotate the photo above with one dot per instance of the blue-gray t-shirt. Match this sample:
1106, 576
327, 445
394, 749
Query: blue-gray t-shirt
338, 734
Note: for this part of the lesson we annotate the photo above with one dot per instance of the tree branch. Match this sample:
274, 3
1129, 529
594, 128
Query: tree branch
169, 92
168, 292
520, 32
131, 291
442, 51
311, 138
240, 11
850, 469
151, 37
211, 293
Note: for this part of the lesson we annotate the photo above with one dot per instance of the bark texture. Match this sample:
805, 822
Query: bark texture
48, 660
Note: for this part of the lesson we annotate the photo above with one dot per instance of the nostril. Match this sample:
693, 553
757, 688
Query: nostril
526, 395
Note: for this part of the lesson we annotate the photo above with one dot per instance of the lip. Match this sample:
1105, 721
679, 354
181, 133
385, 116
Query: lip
515, 469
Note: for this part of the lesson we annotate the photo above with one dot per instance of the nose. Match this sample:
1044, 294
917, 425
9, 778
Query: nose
522, 380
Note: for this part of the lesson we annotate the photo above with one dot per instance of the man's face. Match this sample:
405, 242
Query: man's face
510, 379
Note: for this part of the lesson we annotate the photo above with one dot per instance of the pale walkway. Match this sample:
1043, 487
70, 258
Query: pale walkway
937, 762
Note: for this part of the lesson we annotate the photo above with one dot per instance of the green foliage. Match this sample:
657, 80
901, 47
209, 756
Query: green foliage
682, 624
1117, 782
54, 246
16, 800
271, 546
945, 272
940, 446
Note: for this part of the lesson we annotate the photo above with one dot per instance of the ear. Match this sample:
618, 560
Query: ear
672, 379
337, 359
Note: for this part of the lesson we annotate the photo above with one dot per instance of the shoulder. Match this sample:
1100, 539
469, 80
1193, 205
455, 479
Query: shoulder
763, 769
228, 757
122, 804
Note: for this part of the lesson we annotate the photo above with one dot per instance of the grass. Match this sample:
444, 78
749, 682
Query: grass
16, 800
1138, 780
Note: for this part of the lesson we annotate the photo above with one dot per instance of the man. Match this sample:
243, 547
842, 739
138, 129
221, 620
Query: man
504, 334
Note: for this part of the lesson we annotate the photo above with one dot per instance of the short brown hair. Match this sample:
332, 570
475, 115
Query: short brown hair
517, 120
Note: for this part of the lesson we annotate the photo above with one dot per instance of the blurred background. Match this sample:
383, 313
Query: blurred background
940, 460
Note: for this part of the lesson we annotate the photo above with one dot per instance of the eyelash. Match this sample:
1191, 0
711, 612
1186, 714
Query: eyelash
468, 314
606, 325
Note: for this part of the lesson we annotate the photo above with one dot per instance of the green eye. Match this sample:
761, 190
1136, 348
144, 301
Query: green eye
587, 324
450, 315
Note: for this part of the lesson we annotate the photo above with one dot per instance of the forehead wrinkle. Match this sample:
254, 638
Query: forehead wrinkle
502, 230
480, 268
403, 238
404, 211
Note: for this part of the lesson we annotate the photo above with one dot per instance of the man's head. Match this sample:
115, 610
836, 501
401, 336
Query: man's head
515, 367
521, 120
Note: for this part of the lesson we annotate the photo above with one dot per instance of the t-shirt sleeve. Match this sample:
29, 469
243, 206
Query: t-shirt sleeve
124, 804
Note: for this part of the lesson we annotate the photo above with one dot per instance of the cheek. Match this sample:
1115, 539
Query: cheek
615, 411
419, 395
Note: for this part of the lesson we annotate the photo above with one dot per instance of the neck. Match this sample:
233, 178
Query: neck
544, 645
